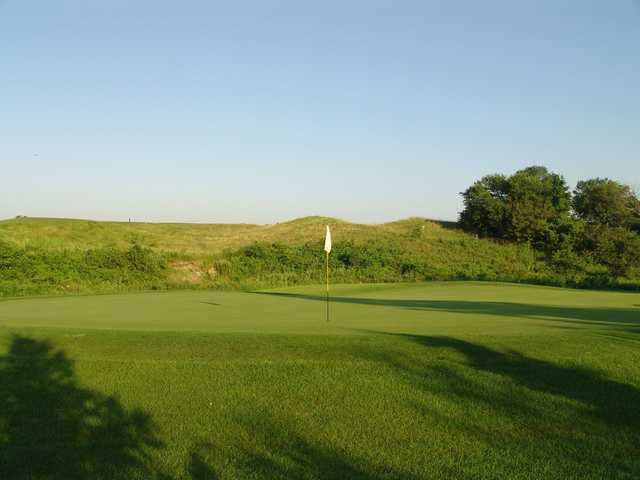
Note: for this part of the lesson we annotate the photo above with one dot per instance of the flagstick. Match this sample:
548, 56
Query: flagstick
327, 249
327, 286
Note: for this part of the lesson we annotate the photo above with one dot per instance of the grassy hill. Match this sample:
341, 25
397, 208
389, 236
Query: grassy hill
204, 239
44, 255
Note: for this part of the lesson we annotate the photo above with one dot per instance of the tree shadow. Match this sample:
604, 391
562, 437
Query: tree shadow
566, 415
562, 421
625, 317
613, 402
276, 449
198, 468
446, 224
52, 428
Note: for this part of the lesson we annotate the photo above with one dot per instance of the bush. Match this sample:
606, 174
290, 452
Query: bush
274, 264
616, 248
33, 270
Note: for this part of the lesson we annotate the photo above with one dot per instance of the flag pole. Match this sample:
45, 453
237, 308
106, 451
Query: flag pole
327, 249
327, 286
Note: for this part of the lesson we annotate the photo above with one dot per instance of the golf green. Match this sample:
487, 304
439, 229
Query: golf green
437, 380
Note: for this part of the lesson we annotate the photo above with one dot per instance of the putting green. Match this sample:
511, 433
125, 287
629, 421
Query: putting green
450, 307
420, 381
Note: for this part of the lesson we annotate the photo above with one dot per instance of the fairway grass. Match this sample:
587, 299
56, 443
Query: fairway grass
415, 381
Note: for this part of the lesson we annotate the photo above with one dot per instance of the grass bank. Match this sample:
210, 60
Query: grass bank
50, 256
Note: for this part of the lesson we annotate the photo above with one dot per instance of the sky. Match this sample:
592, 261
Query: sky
263, 111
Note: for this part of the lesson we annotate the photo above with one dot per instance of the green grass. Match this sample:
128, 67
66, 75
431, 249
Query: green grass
204, 240
57, 256
443, 380
194, 239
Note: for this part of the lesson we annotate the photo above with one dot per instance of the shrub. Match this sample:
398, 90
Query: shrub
34, 270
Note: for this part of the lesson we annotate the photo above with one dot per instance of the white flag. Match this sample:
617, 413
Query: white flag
327, 240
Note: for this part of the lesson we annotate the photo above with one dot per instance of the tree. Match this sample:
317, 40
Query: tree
527, 206
617, 248
485, 207
606, 202
538, 201
533, 205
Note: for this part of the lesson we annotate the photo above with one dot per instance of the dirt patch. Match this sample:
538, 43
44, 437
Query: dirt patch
190, 271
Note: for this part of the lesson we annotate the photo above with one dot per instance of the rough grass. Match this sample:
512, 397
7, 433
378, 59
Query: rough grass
50, 255
206, 239
189, 238
444, 380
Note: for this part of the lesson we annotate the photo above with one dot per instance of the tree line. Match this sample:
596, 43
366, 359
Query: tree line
591, 233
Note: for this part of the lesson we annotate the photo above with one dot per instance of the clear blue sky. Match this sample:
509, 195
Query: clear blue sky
265, 110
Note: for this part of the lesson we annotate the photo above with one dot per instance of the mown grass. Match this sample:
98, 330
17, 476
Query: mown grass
443, 380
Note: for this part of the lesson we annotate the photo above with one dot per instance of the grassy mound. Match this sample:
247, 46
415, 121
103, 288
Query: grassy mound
43, 256
202, 240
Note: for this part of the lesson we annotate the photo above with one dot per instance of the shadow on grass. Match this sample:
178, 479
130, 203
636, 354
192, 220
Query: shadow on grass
274, 448
198, 468
613, 402
52, 428
571, 415
448, 225
503, 413
524, 413
603, 316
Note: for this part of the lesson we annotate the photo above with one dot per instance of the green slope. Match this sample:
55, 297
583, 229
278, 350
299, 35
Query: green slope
206, 239
41, 256
190, 238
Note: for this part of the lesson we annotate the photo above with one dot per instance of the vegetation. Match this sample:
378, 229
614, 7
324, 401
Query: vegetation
590, 238
418, 381
526, 227
377, 260
284, 254
525, 207
189, 239
33, 270
601, 201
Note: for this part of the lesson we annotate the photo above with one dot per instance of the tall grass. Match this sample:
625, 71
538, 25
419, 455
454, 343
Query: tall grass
109, 257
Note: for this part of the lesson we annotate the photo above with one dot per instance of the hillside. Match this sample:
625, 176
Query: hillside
42, 255
201, 239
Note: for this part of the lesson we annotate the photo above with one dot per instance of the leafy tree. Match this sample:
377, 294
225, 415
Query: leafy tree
562, 246
527, 206
485, 207
538, 201
617, 248
606, 202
